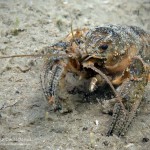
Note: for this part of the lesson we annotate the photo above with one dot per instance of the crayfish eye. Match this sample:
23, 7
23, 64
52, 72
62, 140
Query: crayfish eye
103, 47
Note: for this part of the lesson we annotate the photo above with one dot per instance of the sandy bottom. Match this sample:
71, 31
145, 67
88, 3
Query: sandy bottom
26, 121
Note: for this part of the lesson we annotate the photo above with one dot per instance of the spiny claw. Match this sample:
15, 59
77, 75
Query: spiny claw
49, 80
131, 98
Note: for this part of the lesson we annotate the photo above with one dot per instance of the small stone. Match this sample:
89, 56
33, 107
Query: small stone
145, 139
17, 92
106, 143
84, 128
96, 122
